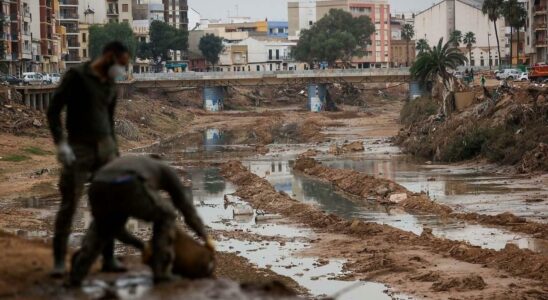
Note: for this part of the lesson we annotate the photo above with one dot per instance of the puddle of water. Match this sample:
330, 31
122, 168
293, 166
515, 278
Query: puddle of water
304, 189
466, 189
125, 287
319, 278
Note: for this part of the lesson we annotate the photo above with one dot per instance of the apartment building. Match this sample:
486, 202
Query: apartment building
441, 19
70, 19
536, 30
119, 11
303, 14
176, 13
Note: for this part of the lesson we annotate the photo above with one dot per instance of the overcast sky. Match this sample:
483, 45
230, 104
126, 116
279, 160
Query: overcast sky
276, 9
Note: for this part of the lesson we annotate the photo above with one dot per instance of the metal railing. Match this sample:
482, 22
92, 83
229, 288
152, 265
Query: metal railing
273, 74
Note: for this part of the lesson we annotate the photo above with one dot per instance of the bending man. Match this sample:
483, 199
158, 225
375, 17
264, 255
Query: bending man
128, 187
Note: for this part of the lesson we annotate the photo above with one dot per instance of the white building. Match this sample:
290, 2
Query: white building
302, 15
440, 20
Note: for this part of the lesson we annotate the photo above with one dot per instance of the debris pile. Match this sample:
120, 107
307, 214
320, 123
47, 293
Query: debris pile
505, 126
21, 120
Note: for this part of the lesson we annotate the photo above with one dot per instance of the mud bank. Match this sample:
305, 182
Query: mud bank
24, 267
367, 188
394, 256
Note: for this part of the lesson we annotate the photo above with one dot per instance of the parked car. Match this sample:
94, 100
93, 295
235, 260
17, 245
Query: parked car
509, 74
46, 78
524, 76
12, 80
32, 78
55, 78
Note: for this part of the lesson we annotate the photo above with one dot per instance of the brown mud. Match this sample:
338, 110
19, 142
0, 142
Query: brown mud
394, 256
24, 267
368, 188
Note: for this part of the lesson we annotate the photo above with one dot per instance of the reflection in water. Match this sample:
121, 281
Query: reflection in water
464, 188
312, 191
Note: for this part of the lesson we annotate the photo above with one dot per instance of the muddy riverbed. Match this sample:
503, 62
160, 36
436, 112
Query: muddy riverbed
313, 261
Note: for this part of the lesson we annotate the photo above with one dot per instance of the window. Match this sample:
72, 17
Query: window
258, 68
473, 63
277, 54
378, 43
85, 53
125, 7
270, 54
310, 23
482, 62
84, 37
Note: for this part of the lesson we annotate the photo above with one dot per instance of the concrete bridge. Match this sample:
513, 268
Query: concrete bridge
214, 83
216, 79
37, 97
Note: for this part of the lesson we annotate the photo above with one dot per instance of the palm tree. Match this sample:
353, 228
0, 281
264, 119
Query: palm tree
407, 33
435, 64
456, 38
516, 15
469, 40
492, 8
422, 46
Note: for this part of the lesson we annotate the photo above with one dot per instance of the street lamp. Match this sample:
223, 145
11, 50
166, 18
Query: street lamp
489, 46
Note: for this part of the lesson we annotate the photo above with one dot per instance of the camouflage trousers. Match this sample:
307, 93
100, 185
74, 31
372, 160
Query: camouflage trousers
112, 204
89, 158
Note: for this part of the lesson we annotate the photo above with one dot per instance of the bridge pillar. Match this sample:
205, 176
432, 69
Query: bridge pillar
317, 93
27, 99
33, 101
213, 98
39, 101
415, 90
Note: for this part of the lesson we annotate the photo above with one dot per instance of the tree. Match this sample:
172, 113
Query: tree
100, 35
337, 36
469, 40
164, 37
516, 15
492, 8
211, 47
456, 38
407, 34
422, 46
435, 64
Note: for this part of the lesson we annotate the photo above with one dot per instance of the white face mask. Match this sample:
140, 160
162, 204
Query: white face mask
116, 71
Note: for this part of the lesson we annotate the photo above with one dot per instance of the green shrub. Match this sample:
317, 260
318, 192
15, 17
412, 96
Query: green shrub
467, 146
418, 110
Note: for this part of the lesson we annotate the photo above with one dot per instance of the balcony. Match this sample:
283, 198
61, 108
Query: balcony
540, 26
72, 44
69, 16
540, 10
72, 29
72, 58
68, 2
112, 12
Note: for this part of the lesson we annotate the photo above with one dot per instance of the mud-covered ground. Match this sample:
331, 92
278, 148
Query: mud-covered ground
303, 247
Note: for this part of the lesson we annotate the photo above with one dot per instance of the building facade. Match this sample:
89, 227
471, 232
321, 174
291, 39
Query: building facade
119, 11
402, 53
536, 31
176, 13
278, 29
440, 20
303, 14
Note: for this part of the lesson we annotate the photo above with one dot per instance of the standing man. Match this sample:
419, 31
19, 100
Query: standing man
88, 93
129, 187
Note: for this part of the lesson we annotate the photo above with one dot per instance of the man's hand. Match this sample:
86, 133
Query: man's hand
210, 244
65, 155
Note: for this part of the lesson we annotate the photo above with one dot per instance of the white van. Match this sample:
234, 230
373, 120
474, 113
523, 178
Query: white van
32, 78
509, 74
